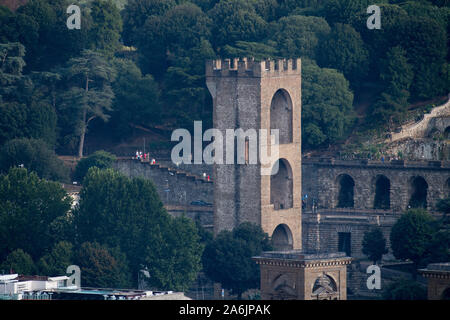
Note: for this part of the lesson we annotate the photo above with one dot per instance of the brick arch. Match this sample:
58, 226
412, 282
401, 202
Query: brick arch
382, 192
281, 186
418, 192
282, 238
345, 187
281, 115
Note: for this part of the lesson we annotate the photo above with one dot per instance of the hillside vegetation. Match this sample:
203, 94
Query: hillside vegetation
140, 64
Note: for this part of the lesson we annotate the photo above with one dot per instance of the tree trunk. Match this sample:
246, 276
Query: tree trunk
83, 133
84, 125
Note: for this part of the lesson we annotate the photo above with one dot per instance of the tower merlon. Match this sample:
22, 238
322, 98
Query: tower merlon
248, 67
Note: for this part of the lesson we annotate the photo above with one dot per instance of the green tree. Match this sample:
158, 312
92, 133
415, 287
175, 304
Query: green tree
57, 260
13, 117
35, 119
184, 89
13, 84
344, 50
19, 262
24, 111
136, 100
236, 20
327, 111
176, 263
443, 205
89, 95
35, 155
374, 245
28, 206
343, 11
100, 159
404, 289
107, 26
397, 76
411, 235
135, 14
438, 249
299, 36
120, 212
184, 27
103, 267
425, 42
40, 26
228, 258
257, 50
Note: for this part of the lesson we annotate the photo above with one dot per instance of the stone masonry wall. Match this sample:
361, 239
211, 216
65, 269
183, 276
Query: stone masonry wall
173, 188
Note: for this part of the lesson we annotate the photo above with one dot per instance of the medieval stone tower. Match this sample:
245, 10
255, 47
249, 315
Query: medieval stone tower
250, 94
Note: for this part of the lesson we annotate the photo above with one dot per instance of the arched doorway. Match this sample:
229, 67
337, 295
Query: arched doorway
382, 193
419, 190
281, 115
282, 238
281, 186
346, 191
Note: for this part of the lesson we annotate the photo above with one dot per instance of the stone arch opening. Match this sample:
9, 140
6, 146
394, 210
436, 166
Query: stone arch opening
446, 294
346, 191
382, 193
284, 287
281, 186
324, 287
419, 190
282, 238
447, 133
281, 115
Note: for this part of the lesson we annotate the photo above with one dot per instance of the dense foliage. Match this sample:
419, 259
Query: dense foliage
419, 237
140, 64
374, 245
100, 159
159, 78
116, 211
28, 207
228, 258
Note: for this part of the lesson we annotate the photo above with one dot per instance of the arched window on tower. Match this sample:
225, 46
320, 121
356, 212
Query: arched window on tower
282, 238
281, 115
281, 186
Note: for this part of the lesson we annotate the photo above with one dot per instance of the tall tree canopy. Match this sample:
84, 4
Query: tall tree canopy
411, 234
35, 155
228, 258
327, 105
116, 211
28, 206
344, 50
88, 94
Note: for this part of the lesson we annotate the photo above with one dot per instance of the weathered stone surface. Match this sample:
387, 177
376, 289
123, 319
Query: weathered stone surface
257, 95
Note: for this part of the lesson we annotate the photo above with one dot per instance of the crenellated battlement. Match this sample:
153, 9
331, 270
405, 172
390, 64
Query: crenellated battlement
248, 67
